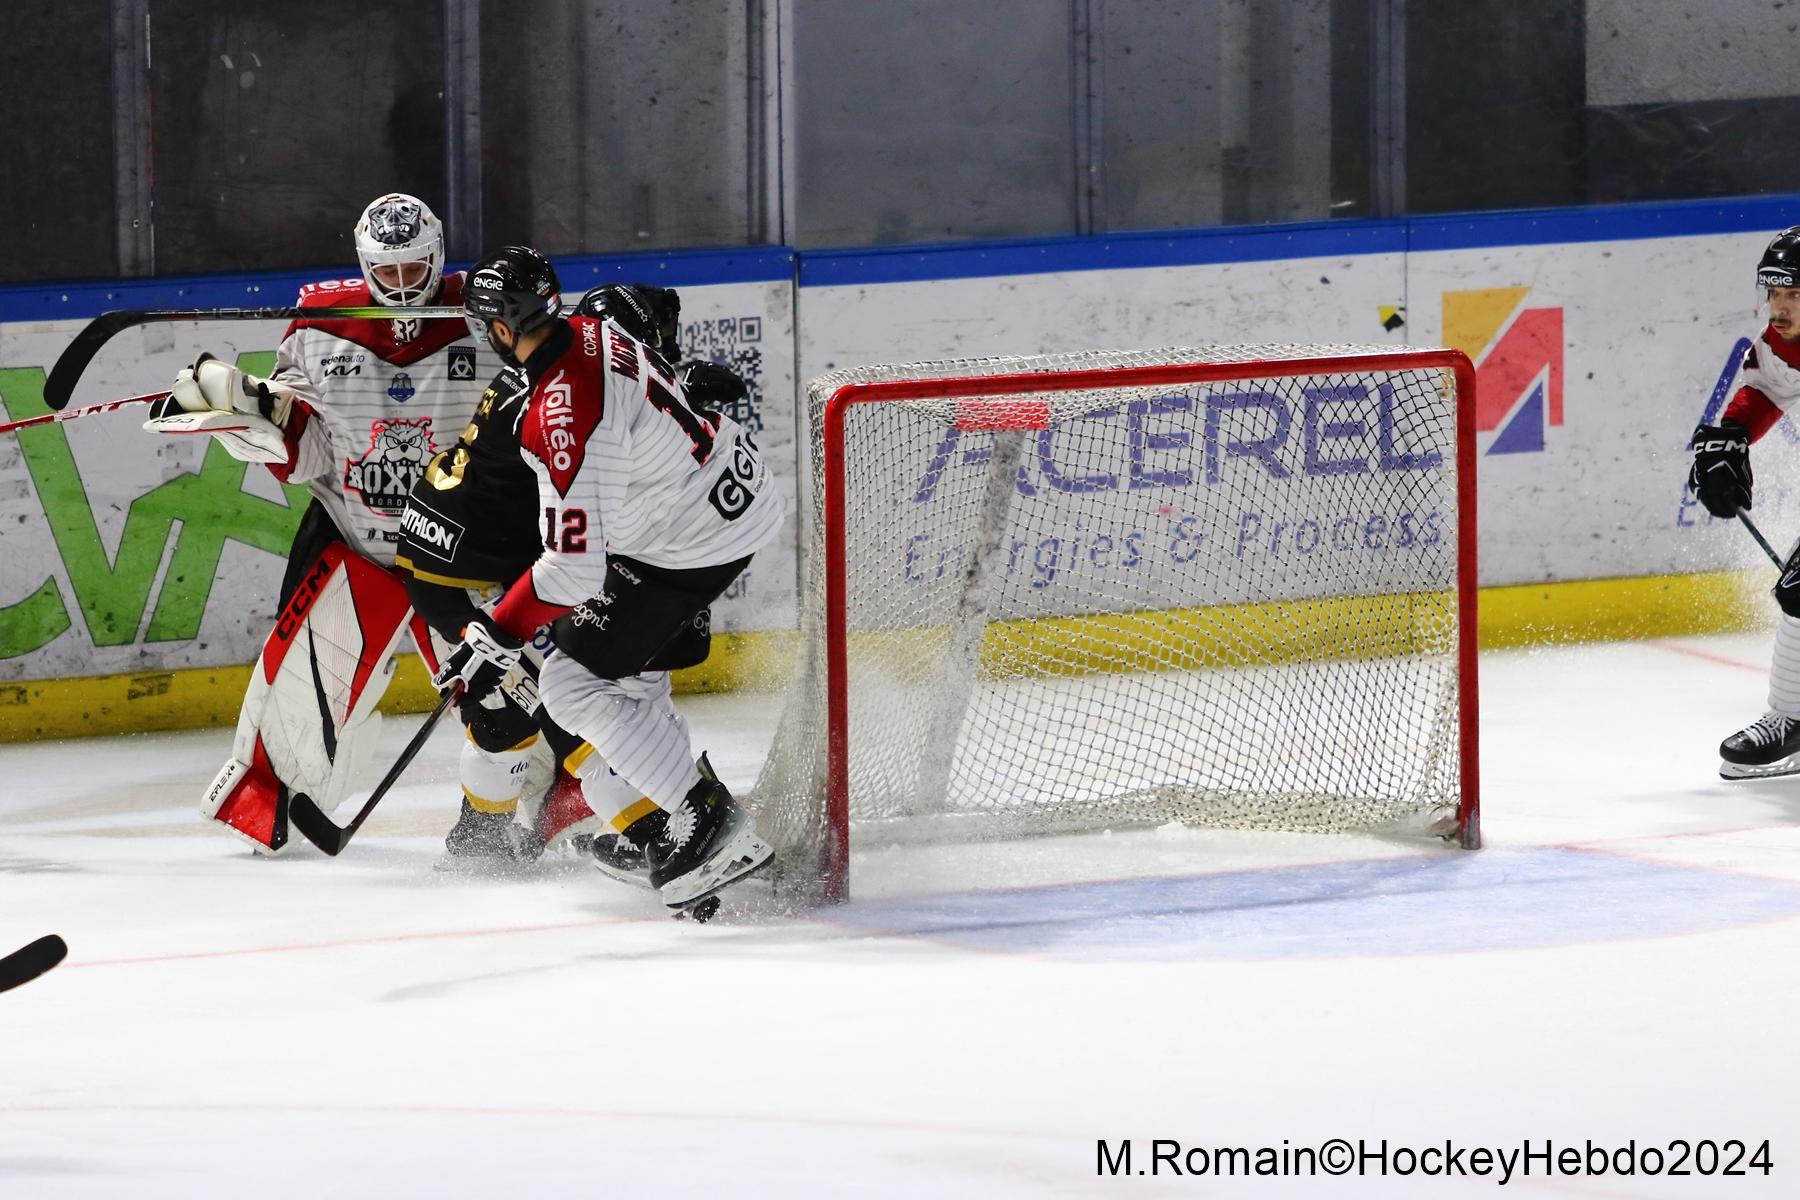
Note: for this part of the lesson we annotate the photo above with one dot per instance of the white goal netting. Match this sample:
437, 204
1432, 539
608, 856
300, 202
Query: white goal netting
1123, 593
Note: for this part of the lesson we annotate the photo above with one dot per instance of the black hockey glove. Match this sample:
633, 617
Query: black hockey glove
481, 663
1721, 472
712, 388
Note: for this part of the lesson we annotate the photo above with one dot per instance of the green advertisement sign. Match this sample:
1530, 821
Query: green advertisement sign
170, 577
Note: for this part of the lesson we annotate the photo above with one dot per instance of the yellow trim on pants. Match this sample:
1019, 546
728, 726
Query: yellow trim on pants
492, 807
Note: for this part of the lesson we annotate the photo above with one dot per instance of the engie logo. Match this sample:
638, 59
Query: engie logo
1518, 357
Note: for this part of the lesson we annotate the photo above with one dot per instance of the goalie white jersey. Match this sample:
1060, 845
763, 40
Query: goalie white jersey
626, 466
374, 401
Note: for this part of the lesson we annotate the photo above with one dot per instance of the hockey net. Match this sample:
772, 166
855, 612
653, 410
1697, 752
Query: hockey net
1229, 586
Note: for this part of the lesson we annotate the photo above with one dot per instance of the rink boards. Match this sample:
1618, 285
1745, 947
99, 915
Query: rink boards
140, 572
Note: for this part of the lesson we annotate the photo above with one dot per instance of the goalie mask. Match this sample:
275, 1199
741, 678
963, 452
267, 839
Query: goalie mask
1780, 265
402, 238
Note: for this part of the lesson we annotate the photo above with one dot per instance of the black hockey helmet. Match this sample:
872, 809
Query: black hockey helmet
1780, 265
649, 314
516, 285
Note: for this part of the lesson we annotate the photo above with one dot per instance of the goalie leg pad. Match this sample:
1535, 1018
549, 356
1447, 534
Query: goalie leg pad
309, 712
248, 800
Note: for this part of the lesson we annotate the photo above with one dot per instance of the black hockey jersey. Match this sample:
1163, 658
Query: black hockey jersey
471, 520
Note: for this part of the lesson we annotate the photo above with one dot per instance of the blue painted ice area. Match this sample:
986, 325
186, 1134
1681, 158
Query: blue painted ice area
1491, 900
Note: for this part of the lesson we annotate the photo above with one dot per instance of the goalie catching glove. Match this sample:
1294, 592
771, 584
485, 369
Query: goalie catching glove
213, 397
482, 662
1721, 473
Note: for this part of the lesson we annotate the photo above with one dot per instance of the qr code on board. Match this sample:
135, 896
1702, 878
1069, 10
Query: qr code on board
736, 344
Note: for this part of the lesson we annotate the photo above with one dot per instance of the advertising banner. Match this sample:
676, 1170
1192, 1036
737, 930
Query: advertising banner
128, 552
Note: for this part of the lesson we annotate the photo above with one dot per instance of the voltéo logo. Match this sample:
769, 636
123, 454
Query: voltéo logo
1518, 357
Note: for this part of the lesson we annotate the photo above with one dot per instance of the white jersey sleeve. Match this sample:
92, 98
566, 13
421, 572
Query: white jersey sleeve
626, 466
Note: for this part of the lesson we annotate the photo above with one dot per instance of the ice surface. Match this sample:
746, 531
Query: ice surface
1620, 962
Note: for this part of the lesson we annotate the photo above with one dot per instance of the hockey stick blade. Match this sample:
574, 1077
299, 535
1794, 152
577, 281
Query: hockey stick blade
29, 961
327, 834
85, 345
71, 413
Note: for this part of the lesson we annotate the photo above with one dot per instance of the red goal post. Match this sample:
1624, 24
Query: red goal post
1014, 398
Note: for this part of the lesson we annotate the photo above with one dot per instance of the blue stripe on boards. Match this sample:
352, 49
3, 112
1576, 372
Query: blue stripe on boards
83, 301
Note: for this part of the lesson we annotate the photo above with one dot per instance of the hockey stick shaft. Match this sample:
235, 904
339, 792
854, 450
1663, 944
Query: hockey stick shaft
96, 333
327, 834
1760, 539
31, 960
69, 414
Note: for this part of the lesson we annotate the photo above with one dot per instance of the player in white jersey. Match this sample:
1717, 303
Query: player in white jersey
1721, 480
650, 508
355, 408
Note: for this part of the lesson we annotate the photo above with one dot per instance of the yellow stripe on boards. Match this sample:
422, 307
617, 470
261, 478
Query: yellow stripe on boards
1521, 615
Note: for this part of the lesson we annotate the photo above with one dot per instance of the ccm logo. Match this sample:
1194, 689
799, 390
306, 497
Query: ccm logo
1733, 444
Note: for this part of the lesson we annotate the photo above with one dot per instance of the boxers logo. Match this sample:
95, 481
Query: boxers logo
384, 476
432, 529
1518, 356
559, 434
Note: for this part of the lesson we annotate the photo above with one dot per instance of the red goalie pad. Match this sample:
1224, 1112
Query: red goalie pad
309, 714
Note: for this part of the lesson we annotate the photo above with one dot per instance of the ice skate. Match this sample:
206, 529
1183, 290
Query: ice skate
489, 838
707, 843
1768, 747
619, 857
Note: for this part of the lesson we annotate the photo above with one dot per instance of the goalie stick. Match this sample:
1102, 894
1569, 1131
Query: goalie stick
31, 960
327, 834
85, 345
69, 414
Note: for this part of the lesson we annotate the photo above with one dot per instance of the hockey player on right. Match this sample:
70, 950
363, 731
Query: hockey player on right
1721, 481
651, 506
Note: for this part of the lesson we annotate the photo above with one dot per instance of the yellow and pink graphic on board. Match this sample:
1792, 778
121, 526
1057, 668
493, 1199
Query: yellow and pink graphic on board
1518, 357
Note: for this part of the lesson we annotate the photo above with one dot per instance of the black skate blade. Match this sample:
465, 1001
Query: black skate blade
687, 907
700, 911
